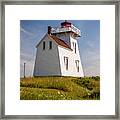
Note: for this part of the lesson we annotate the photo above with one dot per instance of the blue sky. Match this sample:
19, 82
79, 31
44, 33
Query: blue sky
31, 32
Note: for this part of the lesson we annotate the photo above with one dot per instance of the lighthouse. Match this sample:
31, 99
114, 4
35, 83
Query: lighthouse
58, 53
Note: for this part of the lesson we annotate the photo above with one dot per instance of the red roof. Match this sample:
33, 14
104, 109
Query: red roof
59, 41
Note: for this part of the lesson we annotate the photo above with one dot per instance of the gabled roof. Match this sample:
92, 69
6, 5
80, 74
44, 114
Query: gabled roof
57, 40
41, 40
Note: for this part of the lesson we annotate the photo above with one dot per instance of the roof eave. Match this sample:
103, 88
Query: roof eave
60, 45
66, 48
41, 40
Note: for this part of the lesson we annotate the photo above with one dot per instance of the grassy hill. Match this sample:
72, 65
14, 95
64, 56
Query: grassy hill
60, 88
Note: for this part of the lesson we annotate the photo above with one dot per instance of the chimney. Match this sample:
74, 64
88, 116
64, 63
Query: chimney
49, 29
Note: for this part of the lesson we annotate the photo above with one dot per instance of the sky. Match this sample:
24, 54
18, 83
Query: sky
32, 31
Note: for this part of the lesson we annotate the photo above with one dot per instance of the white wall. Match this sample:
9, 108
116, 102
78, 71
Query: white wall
72, 70
47, 61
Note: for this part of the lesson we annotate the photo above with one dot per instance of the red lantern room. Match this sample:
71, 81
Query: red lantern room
65, 24
66, 27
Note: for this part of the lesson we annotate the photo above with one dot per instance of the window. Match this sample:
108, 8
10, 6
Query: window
77, 65
66, 62
50, 44
75, 47
43, 45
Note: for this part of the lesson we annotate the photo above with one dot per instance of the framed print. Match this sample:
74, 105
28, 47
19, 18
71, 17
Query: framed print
60, 60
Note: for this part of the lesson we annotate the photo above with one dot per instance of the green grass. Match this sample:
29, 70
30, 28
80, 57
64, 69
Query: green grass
60, 88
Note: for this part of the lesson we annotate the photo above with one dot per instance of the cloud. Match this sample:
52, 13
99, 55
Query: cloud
26, 32
91, 62
29, 60
91, 44
91, 67
29, 67
92, 70
26, 57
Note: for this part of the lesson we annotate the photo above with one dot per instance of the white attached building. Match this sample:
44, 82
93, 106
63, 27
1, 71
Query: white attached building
58, 53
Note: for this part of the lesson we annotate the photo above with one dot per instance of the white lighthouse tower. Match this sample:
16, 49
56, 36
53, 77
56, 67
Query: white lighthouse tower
58, 53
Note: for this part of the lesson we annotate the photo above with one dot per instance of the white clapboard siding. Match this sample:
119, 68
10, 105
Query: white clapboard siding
47, 61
